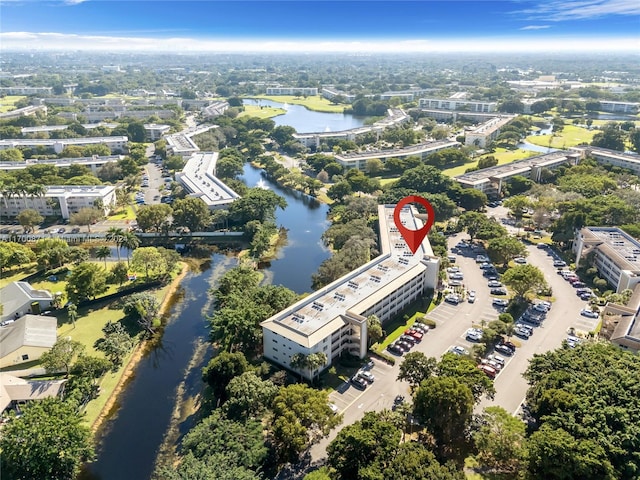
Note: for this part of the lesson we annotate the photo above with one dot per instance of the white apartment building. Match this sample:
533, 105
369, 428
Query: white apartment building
20, 298
486, 132
422, 150
215, 109
94, 162
458, 104
334, 318
616, 255
330, 93
155, 131
619, 107
62, 200
116, 144
605, 156
198, 178
309, 91
181, 144
490, 180
627, 319
23, 90
23, 112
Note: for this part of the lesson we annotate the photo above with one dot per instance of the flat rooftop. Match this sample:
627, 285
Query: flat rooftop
397, 152
67, 141
317, 315
618, 245
515, 167
198, 176
492, 125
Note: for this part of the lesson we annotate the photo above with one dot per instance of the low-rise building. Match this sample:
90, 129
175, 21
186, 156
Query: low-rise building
298, 91
421, 150
24, 90
490, 180
458, 104
20, 298
23, 112
619, 107
181, 144
487, 132
155, 131
16, 391
60, 200
616, 255
333, 319
117, 144
199, 179
605, 156
94, 162
26, 339
626, 321
215, 109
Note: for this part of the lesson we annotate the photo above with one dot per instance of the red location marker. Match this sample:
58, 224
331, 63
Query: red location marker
414, 237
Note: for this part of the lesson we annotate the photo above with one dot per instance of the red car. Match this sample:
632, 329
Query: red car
414, 333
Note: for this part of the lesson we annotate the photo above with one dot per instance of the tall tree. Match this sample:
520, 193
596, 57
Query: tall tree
86, 216
61, 355
115, 235
149, 260
152, 217
29, 219
524, 278
103, 253
130, 242
144, 307
192, 213
116, 343
503, 249
87, 280
222, 369
416, 367
49, 440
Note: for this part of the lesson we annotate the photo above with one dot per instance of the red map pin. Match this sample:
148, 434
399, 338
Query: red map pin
414, 237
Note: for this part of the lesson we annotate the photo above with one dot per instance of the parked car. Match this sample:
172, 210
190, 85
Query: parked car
75, 230
452, 298
414, 333
406, 346
490, 371
368, 376
359, 383
458, 350
333, 407
542, 246
471, 298
474, 335
62, 230
559, 263
486, 266
498, 291
540, 307
586, 312
494, 284
456, 276
500, 302
498, 359
578, 285
481, 259
521, 332
397, 402
395, 349
408, 339
453, 269
520, 260
504, 350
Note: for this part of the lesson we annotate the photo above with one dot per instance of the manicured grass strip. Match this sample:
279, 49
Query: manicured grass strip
261, 112
503, 156
316, 103
570, 136
127, 214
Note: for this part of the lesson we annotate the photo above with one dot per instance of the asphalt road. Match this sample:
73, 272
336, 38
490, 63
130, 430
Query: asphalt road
452, 324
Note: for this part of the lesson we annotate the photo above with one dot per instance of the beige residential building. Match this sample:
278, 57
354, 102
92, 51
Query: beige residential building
333, 319
26, 339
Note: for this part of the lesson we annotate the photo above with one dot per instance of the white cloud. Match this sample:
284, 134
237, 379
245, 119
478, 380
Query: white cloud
535, 27
48, 41
73, 2
559, 10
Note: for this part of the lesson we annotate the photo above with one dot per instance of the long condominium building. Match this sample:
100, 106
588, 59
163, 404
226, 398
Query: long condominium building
605, 156
116, 144
486, 132
422, 150
310, 91
94, 162
333, 319
62, 200
458, 104
490, 180
616, 255
198, 178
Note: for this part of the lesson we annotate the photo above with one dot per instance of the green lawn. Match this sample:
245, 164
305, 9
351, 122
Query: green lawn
127, 214
261, 112
16, 275
8, 103
316, 103
503, 155
570, 136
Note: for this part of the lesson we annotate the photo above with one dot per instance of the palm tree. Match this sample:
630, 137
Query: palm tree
299, 362
103, 252
36, 190
131, 242
115, 235
316, 360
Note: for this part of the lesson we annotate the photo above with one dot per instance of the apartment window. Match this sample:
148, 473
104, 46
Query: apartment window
25, 357
275, 349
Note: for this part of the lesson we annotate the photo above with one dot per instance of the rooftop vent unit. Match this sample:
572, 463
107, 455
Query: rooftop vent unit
298, 317
352, 284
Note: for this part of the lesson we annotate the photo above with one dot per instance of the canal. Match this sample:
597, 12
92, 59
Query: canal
130, 440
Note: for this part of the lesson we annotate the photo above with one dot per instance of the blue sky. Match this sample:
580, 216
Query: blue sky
317, 25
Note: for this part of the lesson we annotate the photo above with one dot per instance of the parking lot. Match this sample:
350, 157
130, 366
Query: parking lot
453, 321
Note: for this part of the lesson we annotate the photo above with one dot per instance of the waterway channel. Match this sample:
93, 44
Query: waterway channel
130, 440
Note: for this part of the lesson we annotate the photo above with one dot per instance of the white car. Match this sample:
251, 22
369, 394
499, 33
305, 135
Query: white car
494, 284
474, 334
456, 276
458, 350
589, 313
500, 302
333, 407
520, 260
471, 298
368, 376
453, 298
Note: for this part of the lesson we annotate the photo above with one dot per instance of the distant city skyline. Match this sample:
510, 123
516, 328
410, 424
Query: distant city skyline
315, 26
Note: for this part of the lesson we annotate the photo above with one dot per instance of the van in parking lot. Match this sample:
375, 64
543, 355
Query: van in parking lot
489, 370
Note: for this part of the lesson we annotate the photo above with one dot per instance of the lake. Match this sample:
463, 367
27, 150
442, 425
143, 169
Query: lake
307, 121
